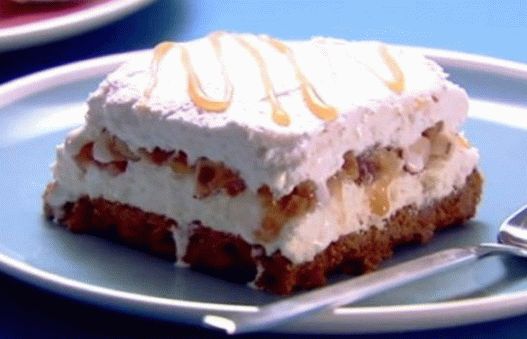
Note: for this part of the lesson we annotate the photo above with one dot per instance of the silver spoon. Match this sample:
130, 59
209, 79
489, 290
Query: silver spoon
512, 238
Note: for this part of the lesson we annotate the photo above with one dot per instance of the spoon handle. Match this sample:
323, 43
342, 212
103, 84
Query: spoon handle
344, 292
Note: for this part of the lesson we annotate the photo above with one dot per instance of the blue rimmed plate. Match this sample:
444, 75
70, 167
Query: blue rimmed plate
38, 110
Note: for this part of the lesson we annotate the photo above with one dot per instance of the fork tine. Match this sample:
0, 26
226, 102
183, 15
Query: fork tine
518, 218
514, 229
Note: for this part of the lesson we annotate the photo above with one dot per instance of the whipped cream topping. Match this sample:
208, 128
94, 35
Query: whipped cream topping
351, 77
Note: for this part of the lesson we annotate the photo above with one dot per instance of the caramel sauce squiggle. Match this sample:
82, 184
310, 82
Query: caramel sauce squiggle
160, 51
278, 114
195, 91
397, 83
311, 97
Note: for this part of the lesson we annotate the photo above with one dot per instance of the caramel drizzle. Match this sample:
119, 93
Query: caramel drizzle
311, 97
195, 90
160, 51
397, 83
279, 115
196, 93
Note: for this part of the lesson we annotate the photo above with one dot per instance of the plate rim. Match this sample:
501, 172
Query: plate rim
40, 32
394, 317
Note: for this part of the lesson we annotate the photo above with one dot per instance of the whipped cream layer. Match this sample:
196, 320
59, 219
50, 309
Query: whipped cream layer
158, 189
350, 76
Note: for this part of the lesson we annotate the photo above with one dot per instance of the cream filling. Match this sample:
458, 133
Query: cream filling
158, 189
349, 212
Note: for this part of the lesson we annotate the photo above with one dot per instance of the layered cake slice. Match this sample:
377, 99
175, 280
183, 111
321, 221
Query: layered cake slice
274, 162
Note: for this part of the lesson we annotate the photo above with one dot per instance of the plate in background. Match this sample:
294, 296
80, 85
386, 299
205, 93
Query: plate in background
23, 25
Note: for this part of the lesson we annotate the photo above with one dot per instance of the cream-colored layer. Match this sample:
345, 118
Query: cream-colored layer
349, 211
158, 189
347, 75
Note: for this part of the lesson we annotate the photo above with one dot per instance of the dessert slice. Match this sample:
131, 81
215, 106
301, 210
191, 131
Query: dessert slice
274, 162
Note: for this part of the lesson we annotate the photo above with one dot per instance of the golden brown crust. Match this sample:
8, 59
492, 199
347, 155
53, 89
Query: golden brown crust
232, 257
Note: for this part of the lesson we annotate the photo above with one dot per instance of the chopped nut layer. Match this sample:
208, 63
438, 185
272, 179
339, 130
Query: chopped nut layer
375, 169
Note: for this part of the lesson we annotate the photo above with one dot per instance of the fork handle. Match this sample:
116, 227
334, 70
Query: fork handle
345, 292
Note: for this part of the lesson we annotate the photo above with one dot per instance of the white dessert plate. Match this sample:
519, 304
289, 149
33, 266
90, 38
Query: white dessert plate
23, 25
37, 111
